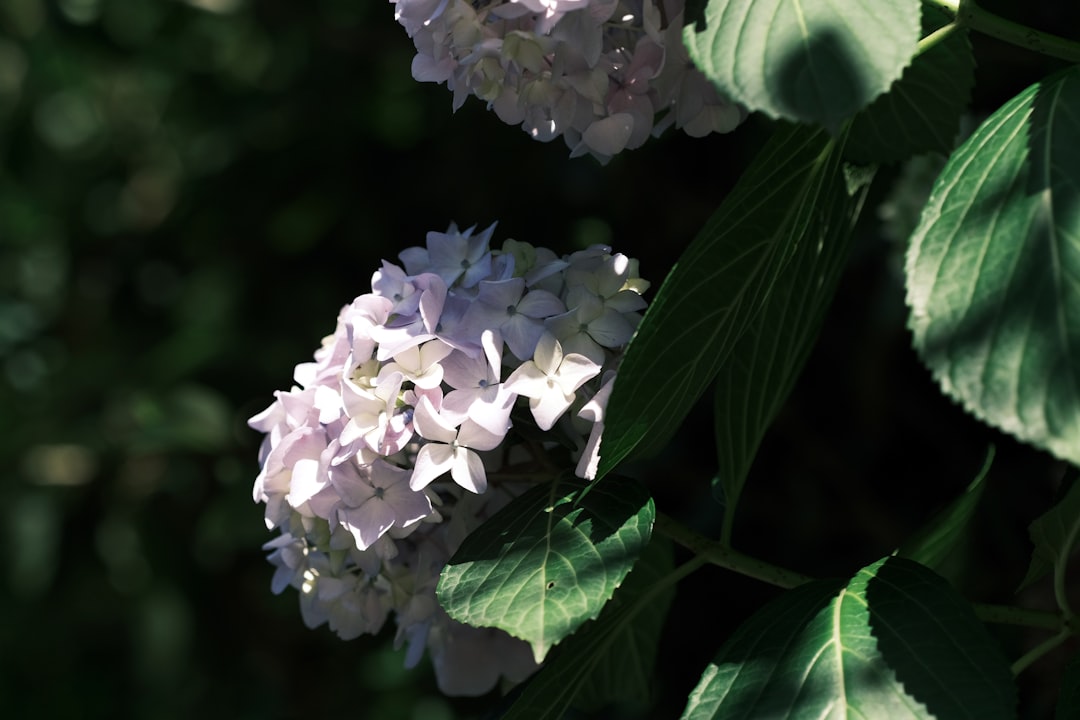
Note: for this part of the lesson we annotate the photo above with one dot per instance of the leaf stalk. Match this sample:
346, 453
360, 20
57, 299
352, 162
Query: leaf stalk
724, 556
1011, 615
967, 13
1028, 658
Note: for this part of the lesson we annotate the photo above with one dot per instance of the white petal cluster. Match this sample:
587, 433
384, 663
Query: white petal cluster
603, 74
396, 441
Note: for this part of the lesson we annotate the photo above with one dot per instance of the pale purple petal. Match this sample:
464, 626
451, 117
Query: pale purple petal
368, 522
611, 329
474, 435
540, 304
431, 425
468, 471
626, 301
549, 354
590, 456
522, 334
575, 370
549, 407
409, 506
306, 481
501, 294
433, 460
432, 299
416, 260
460, 371
527, 380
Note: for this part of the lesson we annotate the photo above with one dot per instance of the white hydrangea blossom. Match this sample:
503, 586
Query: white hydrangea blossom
603, 74
394, 443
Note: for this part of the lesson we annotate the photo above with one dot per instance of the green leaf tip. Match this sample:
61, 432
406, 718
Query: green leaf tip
894, 641
548, 562
1055, 534
935, 542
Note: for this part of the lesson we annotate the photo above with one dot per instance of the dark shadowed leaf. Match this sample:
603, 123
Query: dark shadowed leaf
1056, 535
921, 111
761, 370
933, 544
794, 197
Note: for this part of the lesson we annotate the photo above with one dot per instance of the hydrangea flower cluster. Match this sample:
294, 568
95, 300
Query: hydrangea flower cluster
597, 72
393, 445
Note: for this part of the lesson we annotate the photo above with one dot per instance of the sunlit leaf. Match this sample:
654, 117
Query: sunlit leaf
921, 111
632, 623
610, 659
896, 641
993, 271
548, 561
812, 61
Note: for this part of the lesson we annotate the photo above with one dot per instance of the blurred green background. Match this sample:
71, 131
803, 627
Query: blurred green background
189, 191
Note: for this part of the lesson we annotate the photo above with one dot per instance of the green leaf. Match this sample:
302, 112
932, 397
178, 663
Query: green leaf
921, 112
993, 270
932, 545
548, 561
785, 201
896, 641
811, 61
610, 659
622, 670
752, 385
1056, 535
1068, 707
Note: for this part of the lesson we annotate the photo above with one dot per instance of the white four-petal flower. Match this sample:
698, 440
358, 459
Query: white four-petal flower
450, 448
550, 380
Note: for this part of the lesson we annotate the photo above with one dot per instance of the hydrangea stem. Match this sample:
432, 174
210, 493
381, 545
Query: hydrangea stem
938, 36
1038, 651
1009, 615
723, 556
967, 13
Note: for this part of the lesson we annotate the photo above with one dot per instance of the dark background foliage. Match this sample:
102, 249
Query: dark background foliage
189, 191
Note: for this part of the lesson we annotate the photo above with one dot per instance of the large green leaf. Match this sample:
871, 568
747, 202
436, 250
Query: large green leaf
1056, 535
811, 61
631, 623
752, 386
934, 543
783, 201
610, 659
896, 641
993, 271
921, 112
549, 560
